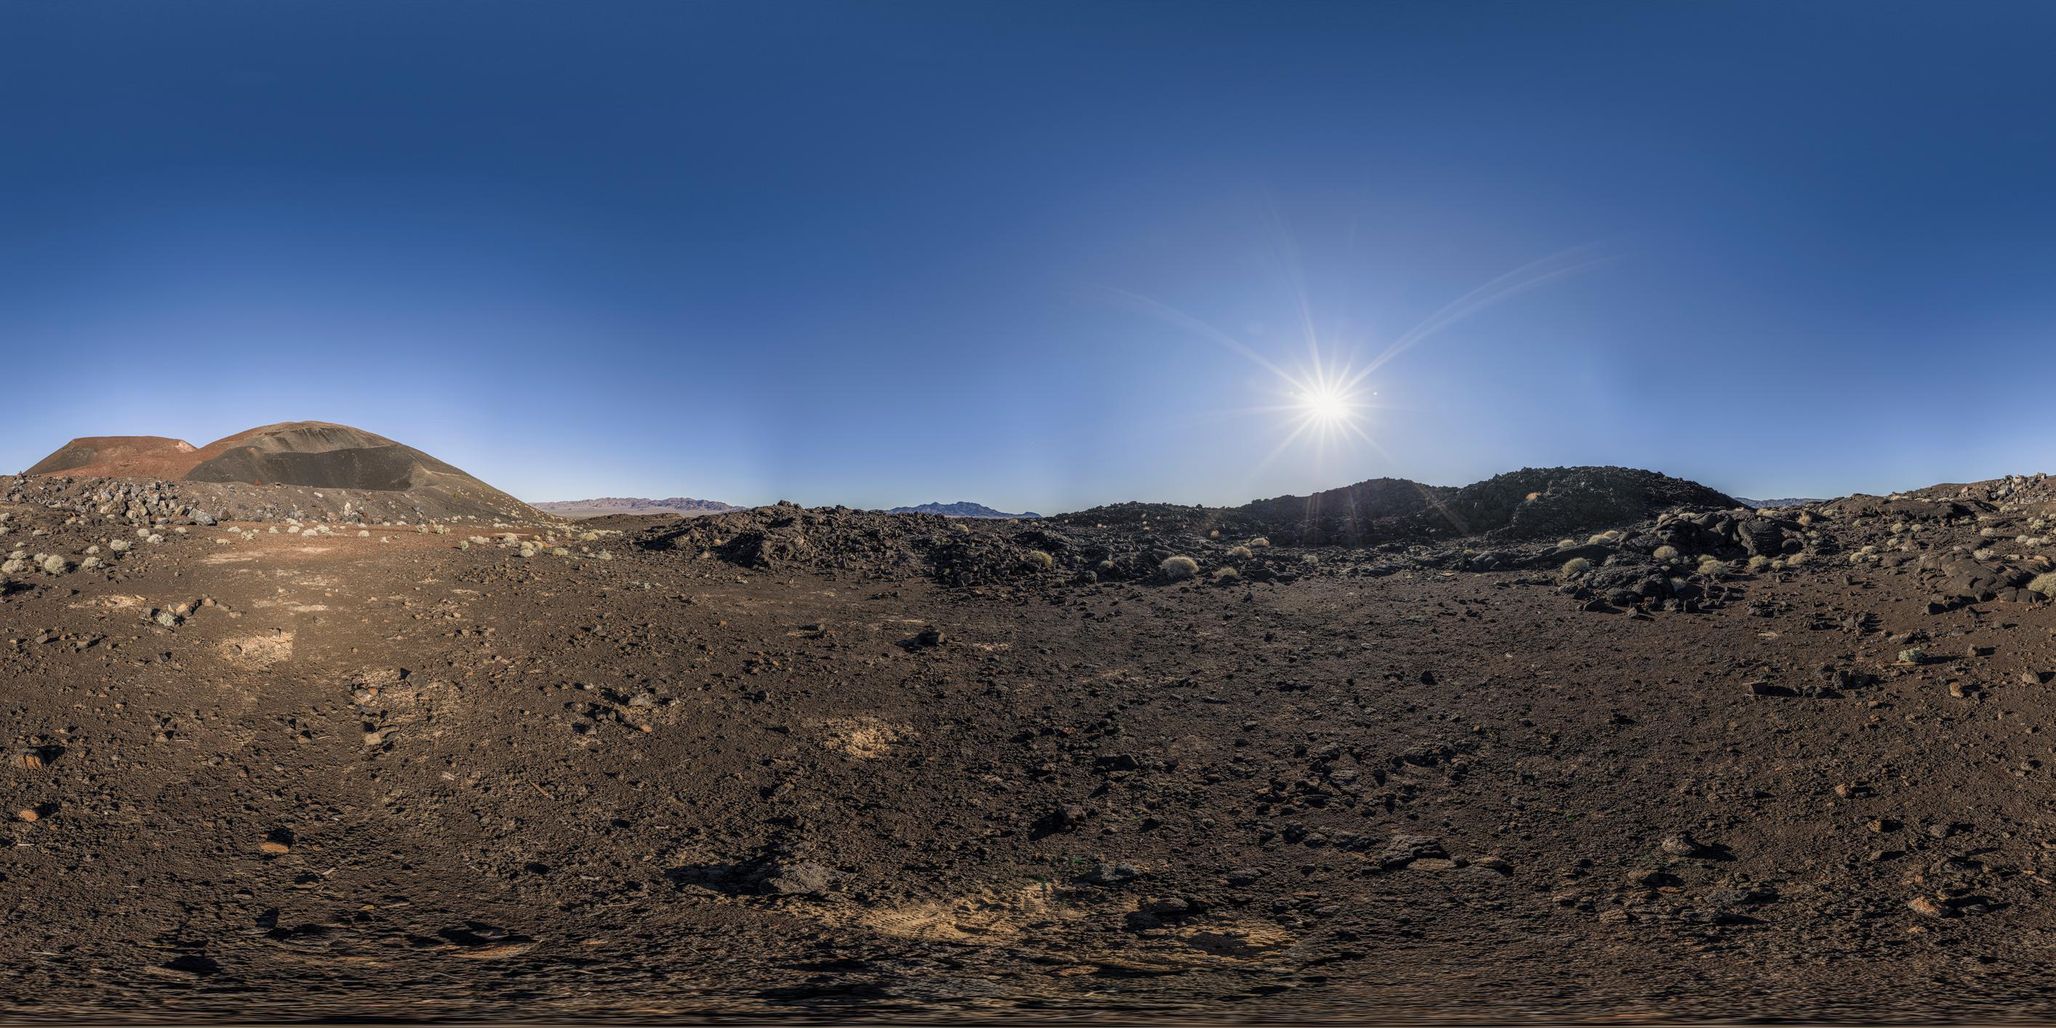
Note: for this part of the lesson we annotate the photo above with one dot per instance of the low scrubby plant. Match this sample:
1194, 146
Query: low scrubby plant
1711, 566
1178, 569
1227, 576
1666, 554
1239, 553
1040, 560
1576, 566
1758, 562
1259, 543
2043, 585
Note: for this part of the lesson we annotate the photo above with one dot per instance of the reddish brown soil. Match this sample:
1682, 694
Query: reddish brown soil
395, 778
116, 456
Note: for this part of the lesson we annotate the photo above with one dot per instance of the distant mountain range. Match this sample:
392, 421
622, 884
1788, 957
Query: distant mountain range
605, 505
1783, 501
960, 509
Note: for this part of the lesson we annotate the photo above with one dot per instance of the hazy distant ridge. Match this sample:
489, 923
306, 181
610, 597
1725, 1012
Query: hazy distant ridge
604, 505
1782, 501
960, 509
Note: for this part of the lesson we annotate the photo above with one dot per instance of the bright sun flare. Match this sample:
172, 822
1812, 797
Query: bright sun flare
1325, 404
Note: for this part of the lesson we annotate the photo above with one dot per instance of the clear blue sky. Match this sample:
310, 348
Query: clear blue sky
880, 253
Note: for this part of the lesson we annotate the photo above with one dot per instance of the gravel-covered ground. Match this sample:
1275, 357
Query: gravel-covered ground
836, 764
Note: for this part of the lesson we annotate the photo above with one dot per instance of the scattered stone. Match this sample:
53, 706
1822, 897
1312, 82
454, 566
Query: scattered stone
1682, 844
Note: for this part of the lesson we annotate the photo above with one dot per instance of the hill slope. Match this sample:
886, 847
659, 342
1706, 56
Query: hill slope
119, 456
304, 454
1531, 503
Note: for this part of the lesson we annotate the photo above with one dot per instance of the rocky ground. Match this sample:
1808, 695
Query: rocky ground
1709, 763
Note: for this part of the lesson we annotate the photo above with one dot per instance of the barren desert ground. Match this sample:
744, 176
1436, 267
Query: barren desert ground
1709, 762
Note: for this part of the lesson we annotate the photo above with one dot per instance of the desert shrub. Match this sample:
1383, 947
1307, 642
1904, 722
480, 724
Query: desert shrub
1565, 544
1665, 554
1239, 553
1758, 562
1606, 538
1258, 543
1794, 560
1040, 560
1711, 566
2043, 584
1178, 569
1576, 566
1226, 576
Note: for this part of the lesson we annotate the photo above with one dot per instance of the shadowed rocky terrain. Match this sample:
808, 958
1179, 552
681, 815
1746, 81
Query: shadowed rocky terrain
1570, 744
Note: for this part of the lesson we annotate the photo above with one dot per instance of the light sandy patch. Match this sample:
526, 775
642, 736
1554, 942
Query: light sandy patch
259, 651
989, 917
1243, 939
116, 601
864, 737
227, 557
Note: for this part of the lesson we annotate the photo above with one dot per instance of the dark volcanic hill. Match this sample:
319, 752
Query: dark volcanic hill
603, 506
305, 454
960, 509
1531, 503
1534, 503
1366, 511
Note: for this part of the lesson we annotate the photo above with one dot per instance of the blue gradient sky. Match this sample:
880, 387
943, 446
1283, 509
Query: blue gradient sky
884, 253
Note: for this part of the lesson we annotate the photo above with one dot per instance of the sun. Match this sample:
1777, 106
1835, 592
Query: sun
1326, 404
